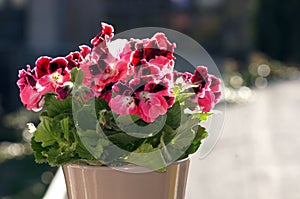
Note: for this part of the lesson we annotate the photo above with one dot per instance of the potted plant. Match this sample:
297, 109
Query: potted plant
118, 116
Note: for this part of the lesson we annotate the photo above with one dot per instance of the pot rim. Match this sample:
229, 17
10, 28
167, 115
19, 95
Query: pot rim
130, 168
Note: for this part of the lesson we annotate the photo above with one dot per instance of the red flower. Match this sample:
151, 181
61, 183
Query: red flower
30, 96
207, 102
75, 58
47, 65
148, 100
49, 75
208, 91
106, 32
108, 64
149, 49
42, 66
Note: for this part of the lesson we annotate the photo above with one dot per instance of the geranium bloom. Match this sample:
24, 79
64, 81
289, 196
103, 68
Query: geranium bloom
108, 63
75, 58
125, 101
208, 90
29, 94
57, 74
149, 49
106, 32
148, 100
153, 59
48, 75
153, 101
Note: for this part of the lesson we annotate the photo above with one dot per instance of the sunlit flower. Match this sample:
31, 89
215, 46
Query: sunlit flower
106, 32
29, 94
148, 100
207, 92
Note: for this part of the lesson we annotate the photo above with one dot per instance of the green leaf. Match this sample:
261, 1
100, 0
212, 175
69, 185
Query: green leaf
174, 116
125, 141
85, 115
83, 153
175, 144
202, 116
37, 148
101, 104
93, 142
44, 133
148, 157
200, 135
168, 134
77, 76
55, 106
140, 128
74, 73
65, 128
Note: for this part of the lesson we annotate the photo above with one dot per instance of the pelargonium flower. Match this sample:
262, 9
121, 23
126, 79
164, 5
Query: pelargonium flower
30, 96
106, 32
153, 59
149, 49
108, 64
208, 90
53, 72
182, 80
48, 75
148, 100
75, 58
125, 101
154, 101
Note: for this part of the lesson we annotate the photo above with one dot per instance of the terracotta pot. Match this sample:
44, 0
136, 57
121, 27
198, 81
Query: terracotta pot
100, 182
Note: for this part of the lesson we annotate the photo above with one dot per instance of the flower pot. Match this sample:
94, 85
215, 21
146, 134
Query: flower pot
101, 182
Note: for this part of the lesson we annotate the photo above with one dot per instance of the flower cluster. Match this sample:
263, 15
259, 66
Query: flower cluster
134, 76
48, 75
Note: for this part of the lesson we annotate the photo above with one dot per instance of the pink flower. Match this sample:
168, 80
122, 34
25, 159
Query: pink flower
84, 50
207, 102
108, 64
183, 80
148, 100
75, 58
47, 65
124, 101
49, 75
123, 105
57, 72
97, 76
151, 106
214, 84
201, 79
208, 91
32, 99
106, 32
149, 49
30, 96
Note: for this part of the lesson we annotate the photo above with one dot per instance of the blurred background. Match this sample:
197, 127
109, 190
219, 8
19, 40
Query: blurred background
255, 44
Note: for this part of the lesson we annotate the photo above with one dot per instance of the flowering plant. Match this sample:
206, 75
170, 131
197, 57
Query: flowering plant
116, 103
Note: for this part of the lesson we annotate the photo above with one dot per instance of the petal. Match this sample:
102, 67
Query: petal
123, 105
42, 65
57, 63
207, 102
215, 84
31, 98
